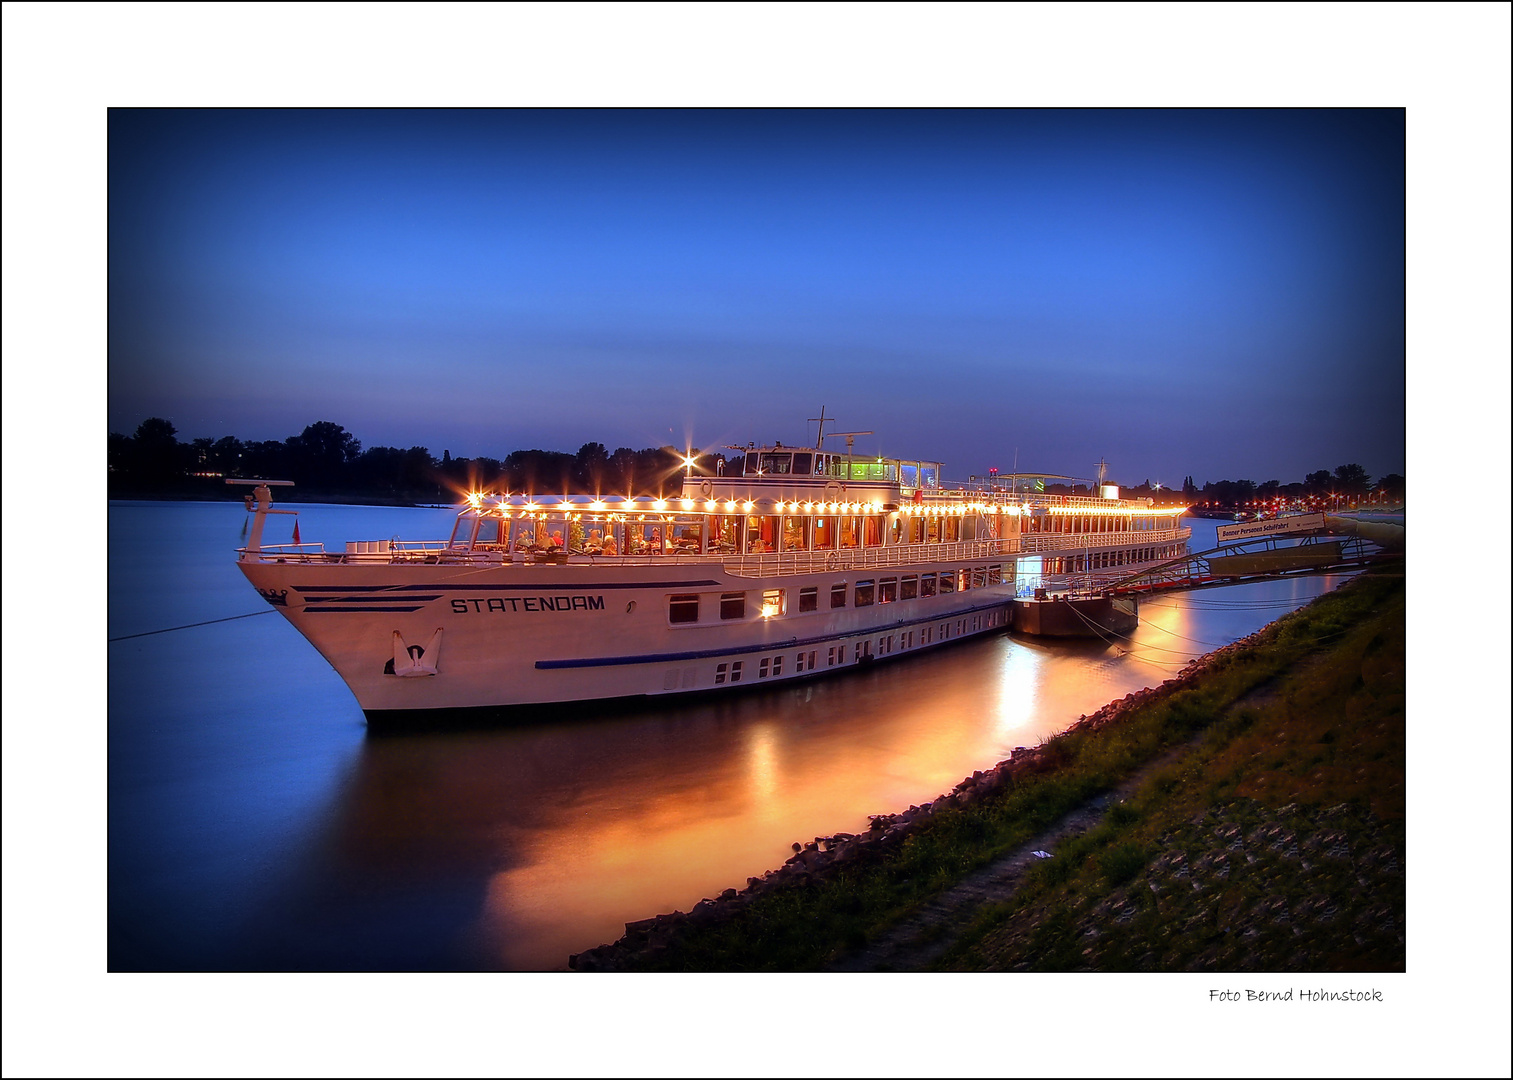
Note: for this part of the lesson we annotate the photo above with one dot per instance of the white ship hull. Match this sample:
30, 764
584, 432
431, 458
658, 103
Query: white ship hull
523, 634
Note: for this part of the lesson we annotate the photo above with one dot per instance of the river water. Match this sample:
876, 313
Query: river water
254, 824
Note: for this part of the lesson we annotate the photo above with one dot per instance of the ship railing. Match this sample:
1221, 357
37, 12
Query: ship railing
1030, 543
782, 564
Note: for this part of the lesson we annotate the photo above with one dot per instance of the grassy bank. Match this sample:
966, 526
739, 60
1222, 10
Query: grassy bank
1279, 796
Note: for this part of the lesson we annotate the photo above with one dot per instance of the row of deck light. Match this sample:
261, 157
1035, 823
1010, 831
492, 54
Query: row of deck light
503, 506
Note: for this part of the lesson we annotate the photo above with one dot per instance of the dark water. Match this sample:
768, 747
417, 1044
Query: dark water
254, 824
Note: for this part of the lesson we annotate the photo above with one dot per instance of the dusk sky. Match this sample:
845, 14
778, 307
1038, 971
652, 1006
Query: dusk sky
1211, 292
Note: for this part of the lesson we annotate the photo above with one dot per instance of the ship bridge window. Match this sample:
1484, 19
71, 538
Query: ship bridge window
683, 609
753, 463
462, 532
801, 464
911, 476
488, 531
777, 464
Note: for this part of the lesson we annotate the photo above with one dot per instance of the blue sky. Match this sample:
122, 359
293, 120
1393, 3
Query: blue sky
1211, 292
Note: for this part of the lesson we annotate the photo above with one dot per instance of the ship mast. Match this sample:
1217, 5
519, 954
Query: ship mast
819, 443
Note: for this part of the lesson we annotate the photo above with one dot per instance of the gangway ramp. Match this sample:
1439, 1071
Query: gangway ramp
1320, 546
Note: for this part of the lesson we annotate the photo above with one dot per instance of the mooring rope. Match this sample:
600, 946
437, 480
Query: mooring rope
186, 626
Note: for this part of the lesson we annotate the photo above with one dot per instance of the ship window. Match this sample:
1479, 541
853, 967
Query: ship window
801, 464
777, 665
948, 582
864, 593
488, 531
838, 594
735, 671
911, 476
774, 602
752, 465
683, 609
887, 590
762, 669
733, 605
927, 585
462, 532
761, 534
776, 464
910, 588
809, 599
793, 533
719, 672
928, 476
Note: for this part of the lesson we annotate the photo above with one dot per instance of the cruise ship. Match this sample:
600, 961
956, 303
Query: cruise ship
794, 563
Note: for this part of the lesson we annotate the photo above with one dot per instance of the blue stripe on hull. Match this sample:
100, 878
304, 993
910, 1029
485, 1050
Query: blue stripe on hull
791, 643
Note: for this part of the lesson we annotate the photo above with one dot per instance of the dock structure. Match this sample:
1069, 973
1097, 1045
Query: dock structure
1329, 546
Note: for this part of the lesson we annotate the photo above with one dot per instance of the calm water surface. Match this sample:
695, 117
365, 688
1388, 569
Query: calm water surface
256, 825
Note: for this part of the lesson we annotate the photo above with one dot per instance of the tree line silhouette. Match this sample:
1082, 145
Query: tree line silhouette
328, 462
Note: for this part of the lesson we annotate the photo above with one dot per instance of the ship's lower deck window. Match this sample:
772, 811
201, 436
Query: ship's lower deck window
733, 605
948, 582
908, 588
774, 602
809, 599
762, 669
683, 609
864, 593
830, 657
838, 595
720, 671
887, 590
927, 585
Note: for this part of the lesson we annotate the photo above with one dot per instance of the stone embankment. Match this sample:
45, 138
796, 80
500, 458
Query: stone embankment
647, 938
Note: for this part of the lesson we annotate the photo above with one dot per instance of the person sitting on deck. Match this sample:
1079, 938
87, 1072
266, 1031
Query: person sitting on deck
610, 547
557, 538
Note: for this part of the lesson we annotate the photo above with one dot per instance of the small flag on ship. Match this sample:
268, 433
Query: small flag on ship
296, 531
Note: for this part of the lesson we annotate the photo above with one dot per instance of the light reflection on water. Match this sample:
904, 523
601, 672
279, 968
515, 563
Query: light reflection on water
255, 825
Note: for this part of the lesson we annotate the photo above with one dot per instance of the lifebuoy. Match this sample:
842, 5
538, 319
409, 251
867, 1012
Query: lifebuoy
706, 489
833, 561
834, 491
